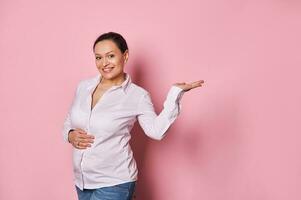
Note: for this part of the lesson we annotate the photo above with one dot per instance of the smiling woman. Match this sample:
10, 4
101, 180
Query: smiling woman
110, 61
101, 117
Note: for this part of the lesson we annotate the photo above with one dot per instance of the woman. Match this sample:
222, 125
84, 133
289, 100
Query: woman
102, 114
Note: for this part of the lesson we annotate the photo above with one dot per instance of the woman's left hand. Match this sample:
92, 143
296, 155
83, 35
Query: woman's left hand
188, 86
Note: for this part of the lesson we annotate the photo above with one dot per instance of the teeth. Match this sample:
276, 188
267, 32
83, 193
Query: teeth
108, 69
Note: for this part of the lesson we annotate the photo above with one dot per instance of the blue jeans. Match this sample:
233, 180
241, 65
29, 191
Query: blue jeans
122, 191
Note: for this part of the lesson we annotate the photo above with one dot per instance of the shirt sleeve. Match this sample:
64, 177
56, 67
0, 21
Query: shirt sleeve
153, 125
67, 123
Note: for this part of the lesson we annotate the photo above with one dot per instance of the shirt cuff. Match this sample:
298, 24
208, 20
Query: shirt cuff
172, 102
175, 94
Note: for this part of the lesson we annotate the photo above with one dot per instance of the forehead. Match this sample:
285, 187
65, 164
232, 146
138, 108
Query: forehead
105, 46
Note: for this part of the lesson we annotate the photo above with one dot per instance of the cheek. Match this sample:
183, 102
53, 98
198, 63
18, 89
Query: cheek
98, 63
118, 62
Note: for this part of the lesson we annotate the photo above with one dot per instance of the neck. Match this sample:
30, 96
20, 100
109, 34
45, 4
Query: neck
116, 81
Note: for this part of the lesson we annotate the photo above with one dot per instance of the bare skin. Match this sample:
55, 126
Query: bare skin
110, 63
80, 139
188, 86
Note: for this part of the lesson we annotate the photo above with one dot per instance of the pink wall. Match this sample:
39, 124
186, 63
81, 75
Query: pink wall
237, 138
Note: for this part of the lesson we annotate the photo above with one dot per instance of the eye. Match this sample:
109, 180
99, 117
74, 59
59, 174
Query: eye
111, 56
97, 58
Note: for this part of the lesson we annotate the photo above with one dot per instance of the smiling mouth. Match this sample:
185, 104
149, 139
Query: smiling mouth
107, 69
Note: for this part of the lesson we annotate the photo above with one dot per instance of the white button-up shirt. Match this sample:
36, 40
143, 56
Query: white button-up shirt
109, 161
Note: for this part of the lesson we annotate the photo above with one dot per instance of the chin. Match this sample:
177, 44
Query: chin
108, 76
112, 75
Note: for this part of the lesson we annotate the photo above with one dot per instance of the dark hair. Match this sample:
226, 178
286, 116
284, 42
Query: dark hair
116, 38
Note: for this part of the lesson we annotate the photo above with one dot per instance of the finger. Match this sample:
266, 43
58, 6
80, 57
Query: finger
81, 136
84, 136
81, 131
196, 84
86, 141
84, 144
182, 83
90, 136
79, 147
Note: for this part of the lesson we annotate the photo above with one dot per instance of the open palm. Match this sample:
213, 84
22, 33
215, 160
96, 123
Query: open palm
188, 86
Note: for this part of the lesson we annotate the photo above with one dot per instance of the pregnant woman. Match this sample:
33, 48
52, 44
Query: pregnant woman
101, 116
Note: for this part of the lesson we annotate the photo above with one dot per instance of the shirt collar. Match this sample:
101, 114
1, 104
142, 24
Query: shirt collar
125, 84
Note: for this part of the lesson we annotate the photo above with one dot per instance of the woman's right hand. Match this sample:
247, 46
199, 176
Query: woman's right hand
80, 139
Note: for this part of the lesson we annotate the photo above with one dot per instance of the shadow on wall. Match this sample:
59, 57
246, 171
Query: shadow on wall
140, 143
209, 139
213, 145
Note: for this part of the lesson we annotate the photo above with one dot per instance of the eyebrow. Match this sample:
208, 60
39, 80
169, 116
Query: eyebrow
106, 53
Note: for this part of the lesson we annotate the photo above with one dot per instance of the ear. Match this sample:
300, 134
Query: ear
126, 55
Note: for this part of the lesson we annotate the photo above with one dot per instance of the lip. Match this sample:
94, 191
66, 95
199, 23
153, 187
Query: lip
109, 68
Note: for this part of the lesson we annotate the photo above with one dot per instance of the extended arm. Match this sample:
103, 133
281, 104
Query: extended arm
155, 126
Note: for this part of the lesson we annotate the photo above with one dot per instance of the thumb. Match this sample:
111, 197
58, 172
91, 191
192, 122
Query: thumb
180, 83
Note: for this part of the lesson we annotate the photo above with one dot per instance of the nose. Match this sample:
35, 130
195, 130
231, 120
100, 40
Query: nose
105, 61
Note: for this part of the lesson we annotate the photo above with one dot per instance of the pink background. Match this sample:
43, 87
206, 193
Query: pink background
237, 138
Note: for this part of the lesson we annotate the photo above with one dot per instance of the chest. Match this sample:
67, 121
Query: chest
96, 96
104, 111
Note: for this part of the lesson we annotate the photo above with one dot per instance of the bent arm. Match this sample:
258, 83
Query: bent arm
67, 127
155, 126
